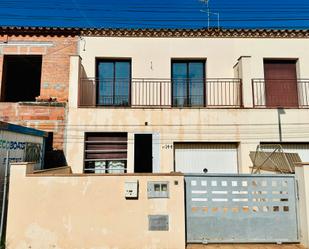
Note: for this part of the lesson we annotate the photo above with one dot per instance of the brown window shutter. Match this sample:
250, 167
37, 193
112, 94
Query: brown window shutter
105, 146
281, 83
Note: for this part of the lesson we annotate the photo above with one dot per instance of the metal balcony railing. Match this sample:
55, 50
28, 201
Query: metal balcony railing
160, 93
286, 93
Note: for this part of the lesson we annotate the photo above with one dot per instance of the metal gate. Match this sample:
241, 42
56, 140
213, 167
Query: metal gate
241, 208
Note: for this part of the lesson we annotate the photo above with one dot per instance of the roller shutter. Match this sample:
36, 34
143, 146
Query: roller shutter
105, 152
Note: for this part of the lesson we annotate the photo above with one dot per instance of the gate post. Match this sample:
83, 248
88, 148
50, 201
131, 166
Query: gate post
302, 177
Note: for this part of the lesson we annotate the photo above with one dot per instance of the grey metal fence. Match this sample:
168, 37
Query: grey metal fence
241, 208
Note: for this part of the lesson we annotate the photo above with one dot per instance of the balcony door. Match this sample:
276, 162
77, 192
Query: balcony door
281, 83
188, 83
114, 77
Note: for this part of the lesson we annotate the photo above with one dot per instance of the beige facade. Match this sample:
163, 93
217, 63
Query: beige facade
151, 58
56, 209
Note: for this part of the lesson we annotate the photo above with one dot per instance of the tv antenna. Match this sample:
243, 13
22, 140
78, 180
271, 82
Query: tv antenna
209, 13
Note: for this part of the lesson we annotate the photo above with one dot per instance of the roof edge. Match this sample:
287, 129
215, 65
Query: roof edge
157, 32
22, 129
198, 33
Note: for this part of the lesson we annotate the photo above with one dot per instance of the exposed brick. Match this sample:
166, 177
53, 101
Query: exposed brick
47, 118
38, 50
23, 50
54, 83
51, 126
38, 117
55, 62
10, 50
3, 38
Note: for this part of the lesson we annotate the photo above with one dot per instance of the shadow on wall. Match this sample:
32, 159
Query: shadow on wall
53, 158
83, 73
56, 158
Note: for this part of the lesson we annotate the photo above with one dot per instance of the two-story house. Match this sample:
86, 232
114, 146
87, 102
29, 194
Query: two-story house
159, 101
192, 101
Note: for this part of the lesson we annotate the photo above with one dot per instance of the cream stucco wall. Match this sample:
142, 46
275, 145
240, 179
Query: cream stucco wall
248, 126
82, 211
221, 54
302, 176
151, 58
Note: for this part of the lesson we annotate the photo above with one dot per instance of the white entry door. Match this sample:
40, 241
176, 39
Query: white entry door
215, 157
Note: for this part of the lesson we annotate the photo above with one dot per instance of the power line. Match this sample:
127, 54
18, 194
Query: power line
157, 14
74, 18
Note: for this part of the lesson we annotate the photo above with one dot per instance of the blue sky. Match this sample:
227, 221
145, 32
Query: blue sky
155, 14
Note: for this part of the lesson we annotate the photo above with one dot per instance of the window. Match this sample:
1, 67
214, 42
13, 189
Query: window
188, 83
21, 78
106, 152
114, 77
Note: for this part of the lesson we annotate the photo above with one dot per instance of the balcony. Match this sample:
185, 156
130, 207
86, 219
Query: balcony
160, 93
286, 93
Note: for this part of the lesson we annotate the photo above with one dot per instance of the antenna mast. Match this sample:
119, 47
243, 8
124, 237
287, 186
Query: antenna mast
210, 13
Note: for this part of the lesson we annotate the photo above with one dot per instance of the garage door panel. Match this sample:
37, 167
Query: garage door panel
301, 149
215, 157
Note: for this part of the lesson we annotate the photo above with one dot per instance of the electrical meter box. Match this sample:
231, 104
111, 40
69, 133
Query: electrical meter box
131, 189
158, 189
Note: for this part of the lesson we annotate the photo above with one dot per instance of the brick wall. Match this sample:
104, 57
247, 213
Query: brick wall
38, 116
55, 51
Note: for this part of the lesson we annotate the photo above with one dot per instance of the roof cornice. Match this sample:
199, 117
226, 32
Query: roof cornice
176, 33
39, 31
197, 33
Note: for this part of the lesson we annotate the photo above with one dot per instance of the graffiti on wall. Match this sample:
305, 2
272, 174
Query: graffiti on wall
33, 152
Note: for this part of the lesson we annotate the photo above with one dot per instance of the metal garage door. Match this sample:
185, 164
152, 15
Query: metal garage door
215, 157
241, 208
